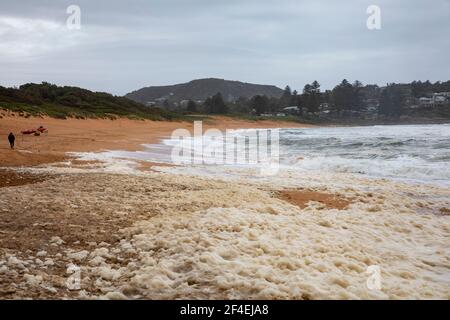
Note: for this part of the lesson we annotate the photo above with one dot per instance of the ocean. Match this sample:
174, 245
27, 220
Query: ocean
410, 153
418, 153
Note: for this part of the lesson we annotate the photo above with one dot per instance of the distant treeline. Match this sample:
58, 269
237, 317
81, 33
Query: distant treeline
62, 102
345, 100
390, 101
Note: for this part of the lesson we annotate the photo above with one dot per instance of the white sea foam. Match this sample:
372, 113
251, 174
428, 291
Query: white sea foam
211, 239
206, 238
414, 153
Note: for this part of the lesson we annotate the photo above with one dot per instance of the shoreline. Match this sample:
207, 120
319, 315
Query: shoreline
168, 233
89, 135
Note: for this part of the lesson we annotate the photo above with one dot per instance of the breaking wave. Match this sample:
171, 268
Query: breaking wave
407, 152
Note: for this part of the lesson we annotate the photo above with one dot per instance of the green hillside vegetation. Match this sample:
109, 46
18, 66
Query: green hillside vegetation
202, 89
63, 102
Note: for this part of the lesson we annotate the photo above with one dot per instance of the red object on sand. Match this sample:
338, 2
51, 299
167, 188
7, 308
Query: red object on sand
41, 129
30, 131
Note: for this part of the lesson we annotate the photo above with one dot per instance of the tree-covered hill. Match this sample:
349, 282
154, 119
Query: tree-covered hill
202, 89
62, 102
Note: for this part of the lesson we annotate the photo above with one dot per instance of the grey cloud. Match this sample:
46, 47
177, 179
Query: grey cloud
126, 45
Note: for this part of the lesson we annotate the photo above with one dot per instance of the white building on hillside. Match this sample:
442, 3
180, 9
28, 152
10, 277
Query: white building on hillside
437, 99
291, 110
426, 102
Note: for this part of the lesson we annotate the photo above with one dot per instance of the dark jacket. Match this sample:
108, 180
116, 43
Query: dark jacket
11, 137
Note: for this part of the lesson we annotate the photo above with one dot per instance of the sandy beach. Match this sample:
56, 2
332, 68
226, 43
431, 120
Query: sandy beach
92, 135
85, 230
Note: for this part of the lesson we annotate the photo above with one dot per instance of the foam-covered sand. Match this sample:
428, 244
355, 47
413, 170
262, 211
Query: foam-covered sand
182, 236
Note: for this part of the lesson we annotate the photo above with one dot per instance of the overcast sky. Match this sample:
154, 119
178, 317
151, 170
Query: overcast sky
126, 45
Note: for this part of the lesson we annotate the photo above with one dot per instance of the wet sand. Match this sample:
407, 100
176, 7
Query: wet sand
73, 135
144, 231
301, 198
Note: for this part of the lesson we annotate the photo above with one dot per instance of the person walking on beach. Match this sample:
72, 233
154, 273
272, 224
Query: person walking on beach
11, 139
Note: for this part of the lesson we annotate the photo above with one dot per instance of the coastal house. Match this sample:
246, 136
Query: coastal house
435, 100
443, 94
439, 100
324, 106
426, 102
292, 110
